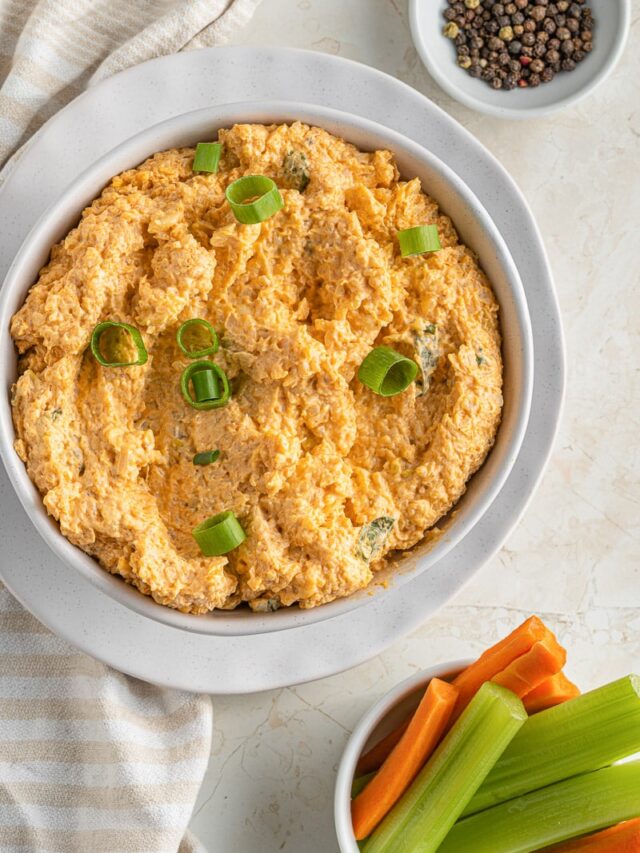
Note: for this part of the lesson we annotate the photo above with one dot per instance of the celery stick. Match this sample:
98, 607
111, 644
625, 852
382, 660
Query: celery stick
360, 783
584, 734
425, 813
569, 808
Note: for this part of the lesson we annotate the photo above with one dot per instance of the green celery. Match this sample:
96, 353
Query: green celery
556, 813
581, 735
426, 812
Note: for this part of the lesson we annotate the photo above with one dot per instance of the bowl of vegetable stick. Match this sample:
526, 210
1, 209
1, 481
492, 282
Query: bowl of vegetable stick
502, 754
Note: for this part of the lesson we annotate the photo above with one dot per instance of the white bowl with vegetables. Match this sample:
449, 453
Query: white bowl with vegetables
450, 761
476, 230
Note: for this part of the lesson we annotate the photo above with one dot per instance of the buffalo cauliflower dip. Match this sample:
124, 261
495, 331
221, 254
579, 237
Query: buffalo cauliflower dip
322, 469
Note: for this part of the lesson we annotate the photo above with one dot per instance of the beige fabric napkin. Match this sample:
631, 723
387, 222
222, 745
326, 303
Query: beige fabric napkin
91, 761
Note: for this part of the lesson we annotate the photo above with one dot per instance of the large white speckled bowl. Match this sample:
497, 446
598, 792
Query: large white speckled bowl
476, 230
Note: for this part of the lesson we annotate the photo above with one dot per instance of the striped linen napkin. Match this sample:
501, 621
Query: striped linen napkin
91, 761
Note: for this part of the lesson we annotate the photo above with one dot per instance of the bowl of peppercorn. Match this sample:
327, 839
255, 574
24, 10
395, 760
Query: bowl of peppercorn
523, 58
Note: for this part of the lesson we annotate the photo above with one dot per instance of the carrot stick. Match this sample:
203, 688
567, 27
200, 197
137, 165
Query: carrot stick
496, 659
553, 691
622, 838
374, 757
543, 660
406, 759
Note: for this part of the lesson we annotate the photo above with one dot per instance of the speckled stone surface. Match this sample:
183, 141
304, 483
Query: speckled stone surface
574, 558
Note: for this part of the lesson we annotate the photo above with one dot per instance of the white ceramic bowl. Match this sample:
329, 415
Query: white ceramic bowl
613, 20
476, 229
386, 714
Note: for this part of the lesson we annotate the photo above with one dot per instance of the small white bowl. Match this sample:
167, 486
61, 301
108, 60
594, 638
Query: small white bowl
477, 230
612, 22
386, 714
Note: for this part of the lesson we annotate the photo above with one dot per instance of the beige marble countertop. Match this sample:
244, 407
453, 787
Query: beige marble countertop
574, 559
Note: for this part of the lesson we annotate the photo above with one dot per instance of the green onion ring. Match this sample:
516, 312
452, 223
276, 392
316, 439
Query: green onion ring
135, 336
415, 241
387, 372
194, 324
219, 534
267, 202
207, 157
206, 457
220, 377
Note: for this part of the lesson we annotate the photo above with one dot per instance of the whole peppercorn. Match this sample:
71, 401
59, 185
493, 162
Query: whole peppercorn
515, 67
538, 13
575, 11
492, 27
521, 4
547, 75
496, 43
518, 30
515, 47
586, 35
562, 5
587, 46
496, 83
470, 15
504, 20
522, 83
567, 47
464, 61
554, 44
510, 81
506, 33
549, 26
460, 39
572, 25
561, 20
568, 64
463, 50
525, 60
483, 63
534, 80
528, 39
539, 49
537, 66
451, 30
563, 34
475, 71
472, 4
504, 58
510, 8
529, 26
517, 18
498, 9
542, 37
553, 9
552, 56
477, 42
527, 51
579, 55
450, 14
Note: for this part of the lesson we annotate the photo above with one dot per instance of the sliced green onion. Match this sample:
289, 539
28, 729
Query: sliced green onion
581, 735
197, 338
387, 372
254, 198
219, 534
205, 385
576, 806
207, 157
423, 816
415, 241
206, 457
110, 343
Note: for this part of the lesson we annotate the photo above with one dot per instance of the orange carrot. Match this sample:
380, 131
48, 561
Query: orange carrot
543, 660
553, 691
622, 838
374, 757
406, 759
498, 658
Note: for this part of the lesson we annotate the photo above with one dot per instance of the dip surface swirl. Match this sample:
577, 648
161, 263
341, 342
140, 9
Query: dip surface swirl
325, 476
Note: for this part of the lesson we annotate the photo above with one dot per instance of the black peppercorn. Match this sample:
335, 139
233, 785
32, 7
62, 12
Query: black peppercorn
496, 83
567, 47
515, 47
528, 39
568, 64
534, 79
547, 75
549, 26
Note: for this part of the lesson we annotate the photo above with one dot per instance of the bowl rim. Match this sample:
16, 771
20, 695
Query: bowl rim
360, 735
221, 622
522, 113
